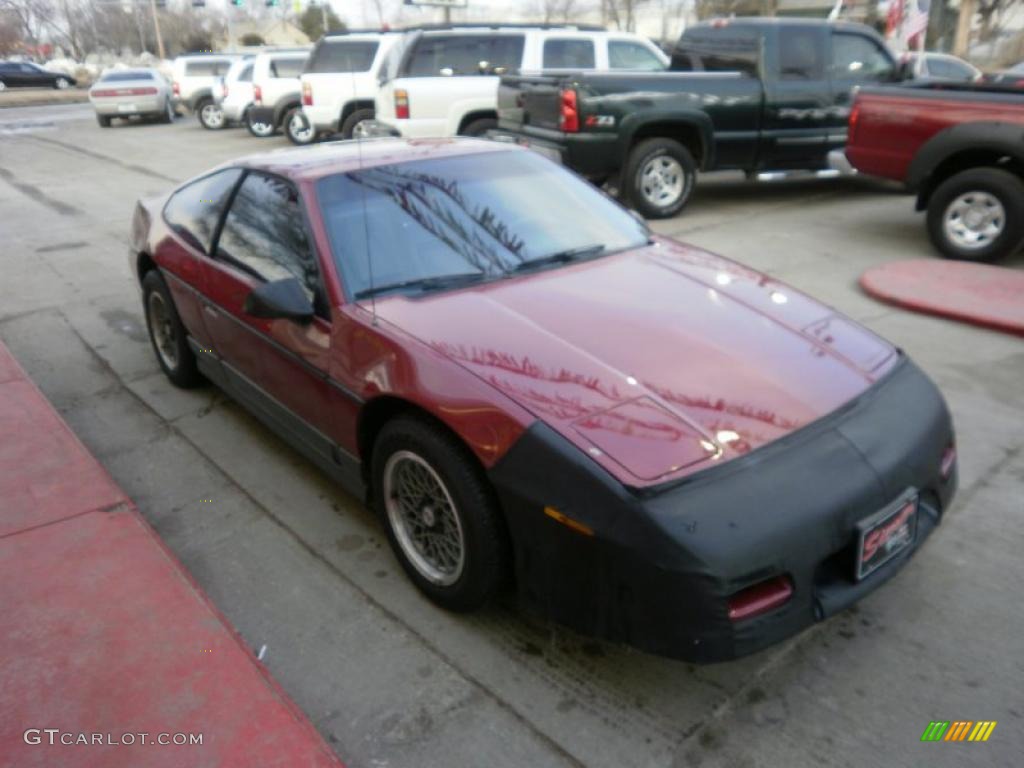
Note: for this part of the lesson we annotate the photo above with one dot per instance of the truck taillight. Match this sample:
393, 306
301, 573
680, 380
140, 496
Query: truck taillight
176, 88
569, 116
257, 95
401, 104
307, 95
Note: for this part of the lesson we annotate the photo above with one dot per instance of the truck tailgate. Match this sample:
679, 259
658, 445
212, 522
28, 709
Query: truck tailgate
530, 100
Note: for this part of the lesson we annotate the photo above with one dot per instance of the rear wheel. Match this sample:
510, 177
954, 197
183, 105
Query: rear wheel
658, 177
350, 122
257, 128
479, 127
61, 83
211, 116
441, 516
298, 129
977, 215
103, 120
167, 334
167, 116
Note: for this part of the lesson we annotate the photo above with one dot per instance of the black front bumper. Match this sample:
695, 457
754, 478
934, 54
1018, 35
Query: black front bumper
662, 563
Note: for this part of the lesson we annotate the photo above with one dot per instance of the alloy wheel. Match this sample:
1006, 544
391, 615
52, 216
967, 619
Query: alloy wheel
662, 180
212, 116
973, 220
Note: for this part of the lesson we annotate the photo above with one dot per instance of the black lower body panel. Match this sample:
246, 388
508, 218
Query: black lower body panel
660, 566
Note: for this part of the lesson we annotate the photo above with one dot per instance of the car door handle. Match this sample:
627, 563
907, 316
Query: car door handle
209, 309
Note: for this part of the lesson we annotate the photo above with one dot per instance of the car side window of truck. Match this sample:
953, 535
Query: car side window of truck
801, 54
859, 59
624, 54
447, 55
342, 56
719, 49
569, 53
289, 67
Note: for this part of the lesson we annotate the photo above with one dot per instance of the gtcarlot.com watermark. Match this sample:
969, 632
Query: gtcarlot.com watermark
55, 736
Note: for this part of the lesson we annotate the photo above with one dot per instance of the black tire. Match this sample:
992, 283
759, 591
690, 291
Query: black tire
269, 130
478, 127
996, 183
205, 111
633, 184
167, 116
104, 120
485, 540
182, 370
353, 120
3, 85
298, 138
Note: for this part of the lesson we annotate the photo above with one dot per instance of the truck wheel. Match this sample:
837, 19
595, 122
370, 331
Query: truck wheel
977, 215
211, 116
259, 129
479, 127
297, 128
350, 122
442, 519
658, 177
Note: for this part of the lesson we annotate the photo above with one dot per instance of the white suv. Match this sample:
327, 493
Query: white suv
233, 92
444, 82
194, 76
341, 79
277, 101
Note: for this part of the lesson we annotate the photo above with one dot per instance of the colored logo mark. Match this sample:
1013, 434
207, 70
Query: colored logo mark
958, 730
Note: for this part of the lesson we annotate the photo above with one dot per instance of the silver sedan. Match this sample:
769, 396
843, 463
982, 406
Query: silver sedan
131, 93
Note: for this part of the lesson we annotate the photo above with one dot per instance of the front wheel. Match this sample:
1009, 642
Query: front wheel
211, 116
441, 515
977, 215
167, 334
298, 129
658, 177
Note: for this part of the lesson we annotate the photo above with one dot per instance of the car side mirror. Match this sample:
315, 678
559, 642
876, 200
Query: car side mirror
280, 299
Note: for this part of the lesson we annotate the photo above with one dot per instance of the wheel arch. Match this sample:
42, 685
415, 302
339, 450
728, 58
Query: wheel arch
478, 114
692, 131
960, 148
144, 264
352, 106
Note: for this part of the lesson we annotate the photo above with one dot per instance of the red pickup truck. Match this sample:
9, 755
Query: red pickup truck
960, 148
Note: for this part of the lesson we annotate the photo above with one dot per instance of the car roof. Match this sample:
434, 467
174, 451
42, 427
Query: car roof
310, 163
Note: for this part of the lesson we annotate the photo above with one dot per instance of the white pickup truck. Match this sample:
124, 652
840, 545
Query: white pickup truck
341, 79
444, 81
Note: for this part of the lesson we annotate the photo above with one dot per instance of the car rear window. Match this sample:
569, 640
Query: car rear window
194, 210
342, 56
465, 55
120, 77
718, 49
290, 67
207, 68
483, 213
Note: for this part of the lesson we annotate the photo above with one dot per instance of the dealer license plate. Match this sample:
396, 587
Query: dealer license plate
884, 535
127, 108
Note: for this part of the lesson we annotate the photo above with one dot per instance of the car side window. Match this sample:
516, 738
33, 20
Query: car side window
801, 54
623, 54
264, 233
245, 76
290, 67
436, 55
859, 59
569, 53
199, 68
194, 210
949, 68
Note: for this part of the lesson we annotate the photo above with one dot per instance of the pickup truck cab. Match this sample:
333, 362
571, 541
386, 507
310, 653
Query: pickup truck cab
277, 98
753, 94
444, 81
340, 82
960, 149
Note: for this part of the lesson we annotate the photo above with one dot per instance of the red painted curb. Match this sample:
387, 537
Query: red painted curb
979, 294
105, 635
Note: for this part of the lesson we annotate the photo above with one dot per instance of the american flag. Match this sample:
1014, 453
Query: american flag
908, 21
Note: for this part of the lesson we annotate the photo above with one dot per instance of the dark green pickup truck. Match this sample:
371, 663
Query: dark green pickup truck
755, 95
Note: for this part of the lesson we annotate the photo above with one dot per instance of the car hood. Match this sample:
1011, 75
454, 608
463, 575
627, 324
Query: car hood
657, 362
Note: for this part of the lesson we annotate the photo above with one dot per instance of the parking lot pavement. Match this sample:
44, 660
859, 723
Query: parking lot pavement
390, 680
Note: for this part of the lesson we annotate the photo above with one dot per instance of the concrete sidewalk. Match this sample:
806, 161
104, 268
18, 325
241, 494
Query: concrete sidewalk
112, 654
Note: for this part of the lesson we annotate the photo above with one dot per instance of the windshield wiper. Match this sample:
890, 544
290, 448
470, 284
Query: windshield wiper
438, 282
561, 257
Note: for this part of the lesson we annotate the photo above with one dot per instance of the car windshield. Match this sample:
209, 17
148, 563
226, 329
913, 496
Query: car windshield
442, 223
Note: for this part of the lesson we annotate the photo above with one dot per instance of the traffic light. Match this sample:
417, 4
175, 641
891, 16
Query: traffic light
198, 3
272, 3
238, 3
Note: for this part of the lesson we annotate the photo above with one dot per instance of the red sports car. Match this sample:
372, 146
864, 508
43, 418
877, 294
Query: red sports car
654, 444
